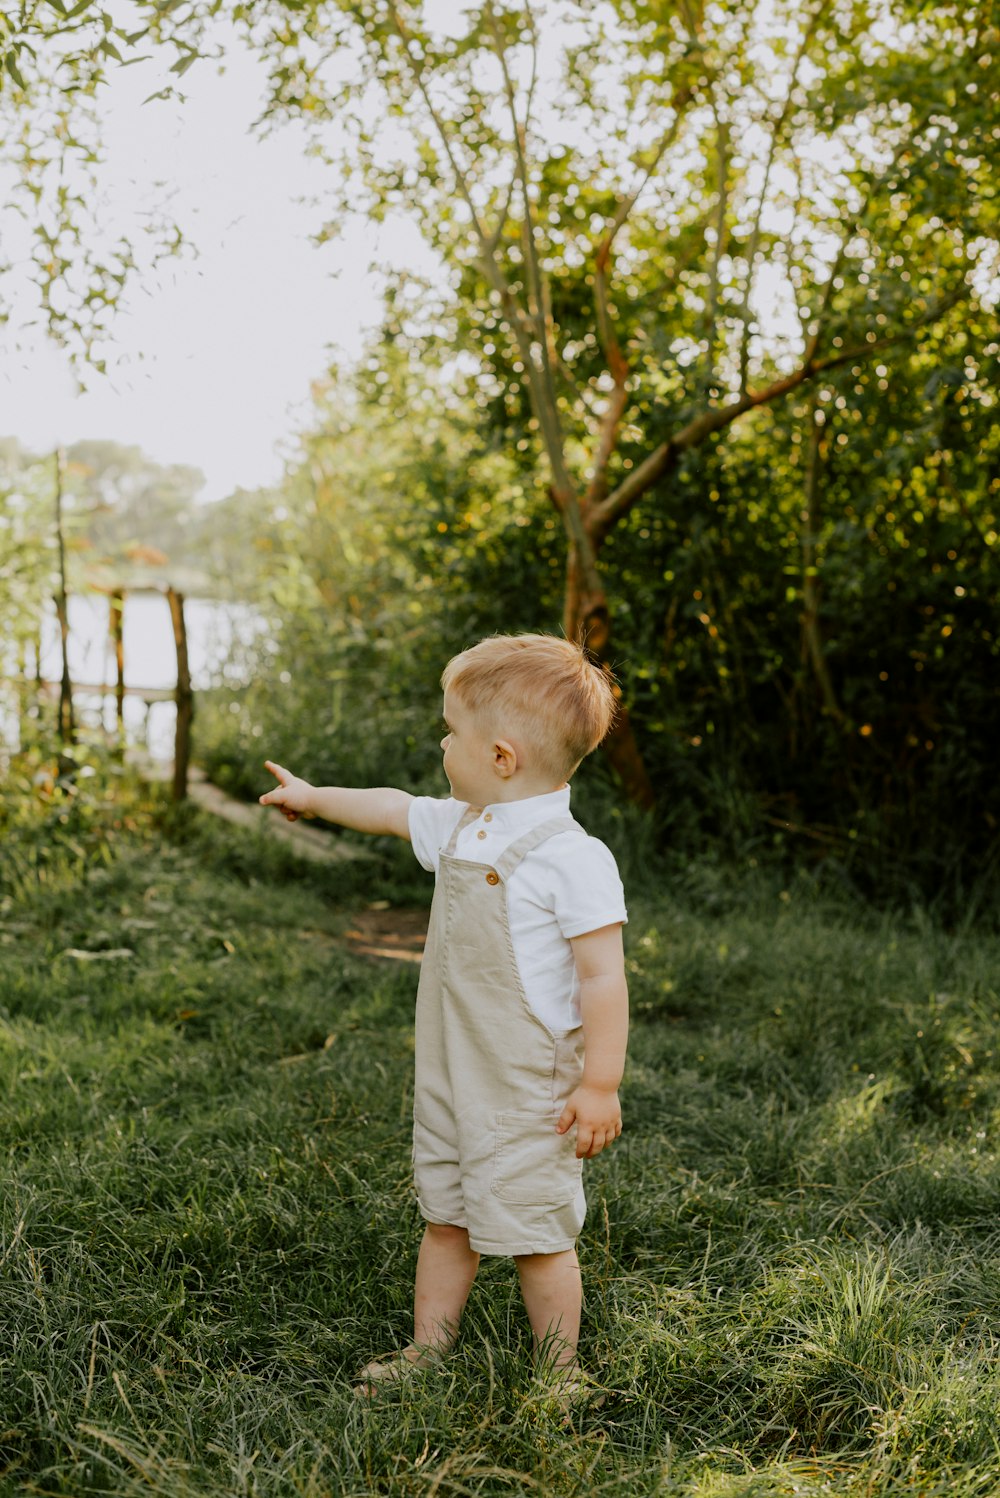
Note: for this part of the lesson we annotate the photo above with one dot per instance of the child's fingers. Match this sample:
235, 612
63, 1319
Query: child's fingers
591, 1142
278, 771
565, 1119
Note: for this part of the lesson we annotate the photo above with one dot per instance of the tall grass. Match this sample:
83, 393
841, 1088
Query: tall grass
792, 1258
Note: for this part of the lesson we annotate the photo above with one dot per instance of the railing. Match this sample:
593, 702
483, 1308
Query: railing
181, 694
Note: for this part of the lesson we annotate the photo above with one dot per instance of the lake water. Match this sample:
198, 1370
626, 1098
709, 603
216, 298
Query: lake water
219, 636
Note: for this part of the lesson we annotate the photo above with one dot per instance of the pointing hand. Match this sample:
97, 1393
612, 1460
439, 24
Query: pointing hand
291, 796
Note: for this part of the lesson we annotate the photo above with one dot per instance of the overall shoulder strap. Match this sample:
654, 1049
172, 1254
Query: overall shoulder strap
469, 815
511, 856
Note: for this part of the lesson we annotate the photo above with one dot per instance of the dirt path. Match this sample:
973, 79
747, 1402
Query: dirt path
308, 842
382, 932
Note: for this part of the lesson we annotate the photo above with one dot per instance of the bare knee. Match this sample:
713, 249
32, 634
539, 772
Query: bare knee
557, 1263
447, 1233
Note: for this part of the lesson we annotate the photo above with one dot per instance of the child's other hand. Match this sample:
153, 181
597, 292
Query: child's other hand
291, 796
598, 1118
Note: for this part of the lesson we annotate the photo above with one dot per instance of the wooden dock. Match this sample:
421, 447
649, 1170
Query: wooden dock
89, 689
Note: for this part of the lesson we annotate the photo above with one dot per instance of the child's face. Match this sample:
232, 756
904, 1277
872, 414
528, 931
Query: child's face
469, 755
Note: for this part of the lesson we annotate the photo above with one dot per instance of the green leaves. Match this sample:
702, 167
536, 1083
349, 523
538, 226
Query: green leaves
53, 60
181, 66
10, 63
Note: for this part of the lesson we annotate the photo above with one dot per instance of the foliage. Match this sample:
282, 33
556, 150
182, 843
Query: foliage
27, 550
61, 263
207, 1224
721, 283
788, 652
891, 775
130, 523
61, 811
611, 216
619, 196
410, 528
394, 541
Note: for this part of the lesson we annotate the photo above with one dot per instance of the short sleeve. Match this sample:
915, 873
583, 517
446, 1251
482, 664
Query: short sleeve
432, 822
586, 887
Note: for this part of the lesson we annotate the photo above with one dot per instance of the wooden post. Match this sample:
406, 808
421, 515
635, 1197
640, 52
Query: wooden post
37, 712
23, 692
116, 605
67, 727
183, 696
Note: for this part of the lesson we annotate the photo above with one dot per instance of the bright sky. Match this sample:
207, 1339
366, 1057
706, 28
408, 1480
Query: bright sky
213, 356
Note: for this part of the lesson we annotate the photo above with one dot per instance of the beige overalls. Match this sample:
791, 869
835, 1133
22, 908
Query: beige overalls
491, 1078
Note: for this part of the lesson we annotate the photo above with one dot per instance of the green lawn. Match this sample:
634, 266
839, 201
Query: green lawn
792, 1259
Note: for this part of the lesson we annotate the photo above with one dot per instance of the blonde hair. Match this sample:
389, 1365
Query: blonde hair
547, 690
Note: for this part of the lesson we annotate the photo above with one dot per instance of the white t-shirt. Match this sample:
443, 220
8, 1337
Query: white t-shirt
565, 887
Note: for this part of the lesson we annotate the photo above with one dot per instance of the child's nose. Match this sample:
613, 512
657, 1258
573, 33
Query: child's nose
446, 741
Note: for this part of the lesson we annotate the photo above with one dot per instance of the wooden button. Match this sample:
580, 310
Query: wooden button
492, 878
480, 834
487, 816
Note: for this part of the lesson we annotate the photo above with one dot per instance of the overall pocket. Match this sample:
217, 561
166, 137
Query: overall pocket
533, 1166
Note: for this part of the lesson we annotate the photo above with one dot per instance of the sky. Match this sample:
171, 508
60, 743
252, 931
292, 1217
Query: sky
213, 356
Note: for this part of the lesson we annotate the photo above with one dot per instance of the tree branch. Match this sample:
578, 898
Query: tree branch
493, 241
666, 457
668, 454
545, 408
519, 321
537, 280
722, 203
776, 133
617, 363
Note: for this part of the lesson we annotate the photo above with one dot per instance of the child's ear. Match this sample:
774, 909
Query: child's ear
504, 758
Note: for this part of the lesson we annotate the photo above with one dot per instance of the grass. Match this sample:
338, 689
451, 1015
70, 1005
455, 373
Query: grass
792, 1259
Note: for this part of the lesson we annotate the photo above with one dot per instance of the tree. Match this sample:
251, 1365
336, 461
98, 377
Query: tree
613, 248
619, 189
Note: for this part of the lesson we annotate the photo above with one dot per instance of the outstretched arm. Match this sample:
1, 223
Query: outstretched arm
380, 809
594, 1106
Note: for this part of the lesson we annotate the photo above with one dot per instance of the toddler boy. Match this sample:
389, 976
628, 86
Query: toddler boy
522, 1007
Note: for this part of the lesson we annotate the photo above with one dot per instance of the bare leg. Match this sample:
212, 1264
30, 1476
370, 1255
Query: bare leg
446, 1267
553, 1297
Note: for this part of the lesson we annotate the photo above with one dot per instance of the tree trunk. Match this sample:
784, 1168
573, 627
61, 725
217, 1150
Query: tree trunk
183, 697
67, 726
116, 605
586, 619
